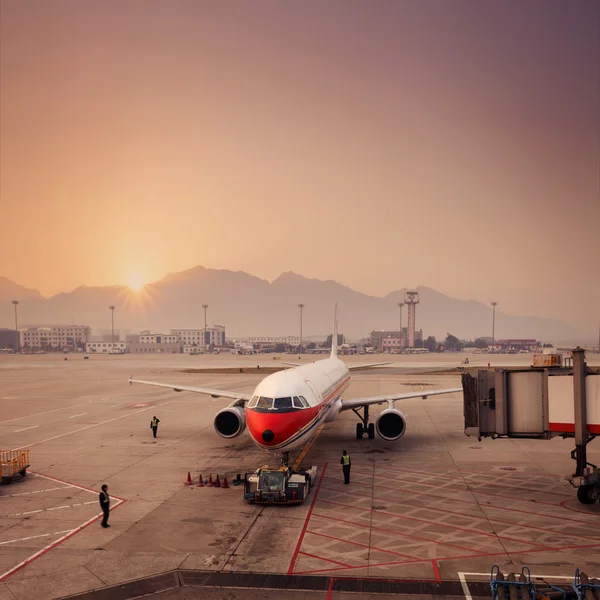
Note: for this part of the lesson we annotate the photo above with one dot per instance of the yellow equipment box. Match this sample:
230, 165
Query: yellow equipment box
13, 463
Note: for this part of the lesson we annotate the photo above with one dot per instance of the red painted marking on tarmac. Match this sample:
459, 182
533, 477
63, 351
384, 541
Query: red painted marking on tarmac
330, 589
75, 485
452, 512
436, 570
335, 562
519, 510
53, 545
581, 512
412, 537
466, 488
337, 539
56, 437
438, 559
435, 524
483, 516
305, 526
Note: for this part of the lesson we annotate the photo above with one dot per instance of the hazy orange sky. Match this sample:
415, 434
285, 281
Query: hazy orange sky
381, 144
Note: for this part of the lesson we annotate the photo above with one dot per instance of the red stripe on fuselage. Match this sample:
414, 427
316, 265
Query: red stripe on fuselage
285, 425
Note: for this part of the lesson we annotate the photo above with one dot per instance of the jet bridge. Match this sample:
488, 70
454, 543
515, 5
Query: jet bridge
539, 403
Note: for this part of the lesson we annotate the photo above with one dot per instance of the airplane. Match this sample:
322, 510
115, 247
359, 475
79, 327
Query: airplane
286, 408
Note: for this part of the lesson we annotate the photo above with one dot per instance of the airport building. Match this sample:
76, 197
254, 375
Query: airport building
530, 345
40, 337
8, 338
210, 336
377, 338
106, 347
288, 340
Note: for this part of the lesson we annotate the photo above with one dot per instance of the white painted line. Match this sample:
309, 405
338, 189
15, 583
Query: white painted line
79, 487
67, 535
487, 575
37, 491
33, 537
45, 412
26, 428
56, 437
79, 415
465, 586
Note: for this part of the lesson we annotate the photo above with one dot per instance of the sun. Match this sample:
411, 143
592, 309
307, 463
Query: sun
135, 282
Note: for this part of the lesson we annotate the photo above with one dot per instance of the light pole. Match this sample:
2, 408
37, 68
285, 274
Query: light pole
112, 316
494, 304
300, 306
16, 303
205, 307
400, 305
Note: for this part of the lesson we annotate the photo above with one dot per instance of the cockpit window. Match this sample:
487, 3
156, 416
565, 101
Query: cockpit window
253, 402
264, 402
283, 403
300, 402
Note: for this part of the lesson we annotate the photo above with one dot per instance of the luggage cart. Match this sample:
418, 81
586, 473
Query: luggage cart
584, 588
13, 463
510, 588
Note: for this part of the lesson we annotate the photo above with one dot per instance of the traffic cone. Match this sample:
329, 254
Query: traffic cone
200, 484
225, 486
210, 479
217, 482
189, 479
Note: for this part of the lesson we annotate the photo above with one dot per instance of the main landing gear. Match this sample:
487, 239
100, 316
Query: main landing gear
364, 426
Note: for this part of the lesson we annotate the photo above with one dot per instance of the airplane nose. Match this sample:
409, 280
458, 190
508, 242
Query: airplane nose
268, 435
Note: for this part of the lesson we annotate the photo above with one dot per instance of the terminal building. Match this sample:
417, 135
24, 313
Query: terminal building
288, 340
214, 336
106, 347
48, 337
529, 345
393, 339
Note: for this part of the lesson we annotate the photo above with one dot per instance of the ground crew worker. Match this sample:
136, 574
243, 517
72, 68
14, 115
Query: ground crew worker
105, 505
154, 425
346, 464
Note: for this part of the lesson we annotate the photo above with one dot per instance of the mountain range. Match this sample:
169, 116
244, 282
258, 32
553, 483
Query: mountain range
250, 306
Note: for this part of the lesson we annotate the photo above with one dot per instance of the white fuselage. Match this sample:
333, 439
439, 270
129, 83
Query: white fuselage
287, 407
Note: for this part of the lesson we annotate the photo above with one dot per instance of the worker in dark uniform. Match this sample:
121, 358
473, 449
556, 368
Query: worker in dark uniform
346, 464
105, 505
154, 425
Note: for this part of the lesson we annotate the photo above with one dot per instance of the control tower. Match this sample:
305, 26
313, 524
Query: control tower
411, 299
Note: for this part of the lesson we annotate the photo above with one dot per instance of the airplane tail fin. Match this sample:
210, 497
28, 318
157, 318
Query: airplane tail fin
334, 337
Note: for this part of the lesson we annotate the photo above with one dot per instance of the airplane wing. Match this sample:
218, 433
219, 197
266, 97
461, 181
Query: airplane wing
360, 402
190, 388
366, 366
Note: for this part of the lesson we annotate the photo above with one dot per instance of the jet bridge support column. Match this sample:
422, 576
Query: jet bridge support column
581, 430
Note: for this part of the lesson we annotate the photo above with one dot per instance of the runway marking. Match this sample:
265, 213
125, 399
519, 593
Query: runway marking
304, 527
56, 437
68, 533
45, 412
79, 415
306, 448
33, 537
35, 492
25, 429
31, 512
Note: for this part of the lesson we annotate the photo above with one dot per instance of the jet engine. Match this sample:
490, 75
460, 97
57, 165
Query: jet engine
230, 422
391, 424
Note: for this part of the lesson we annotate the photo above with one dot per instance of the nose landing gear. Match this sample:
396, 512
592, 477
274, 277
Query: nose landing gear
364, 426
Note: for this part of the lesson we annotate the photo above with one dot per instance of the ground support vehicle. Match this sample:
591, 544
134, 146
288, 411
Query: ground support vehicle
279, 486
13, 463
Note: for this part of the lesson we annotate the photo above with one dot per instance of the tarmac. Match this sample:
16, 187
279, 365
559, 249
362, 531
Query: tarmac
429, 514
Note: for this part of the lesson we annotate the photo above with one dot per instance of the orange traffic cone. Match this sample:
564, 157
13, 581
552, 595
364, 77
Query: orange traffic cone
225, 482
200, 484
189, 479
210, 479
217, 482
